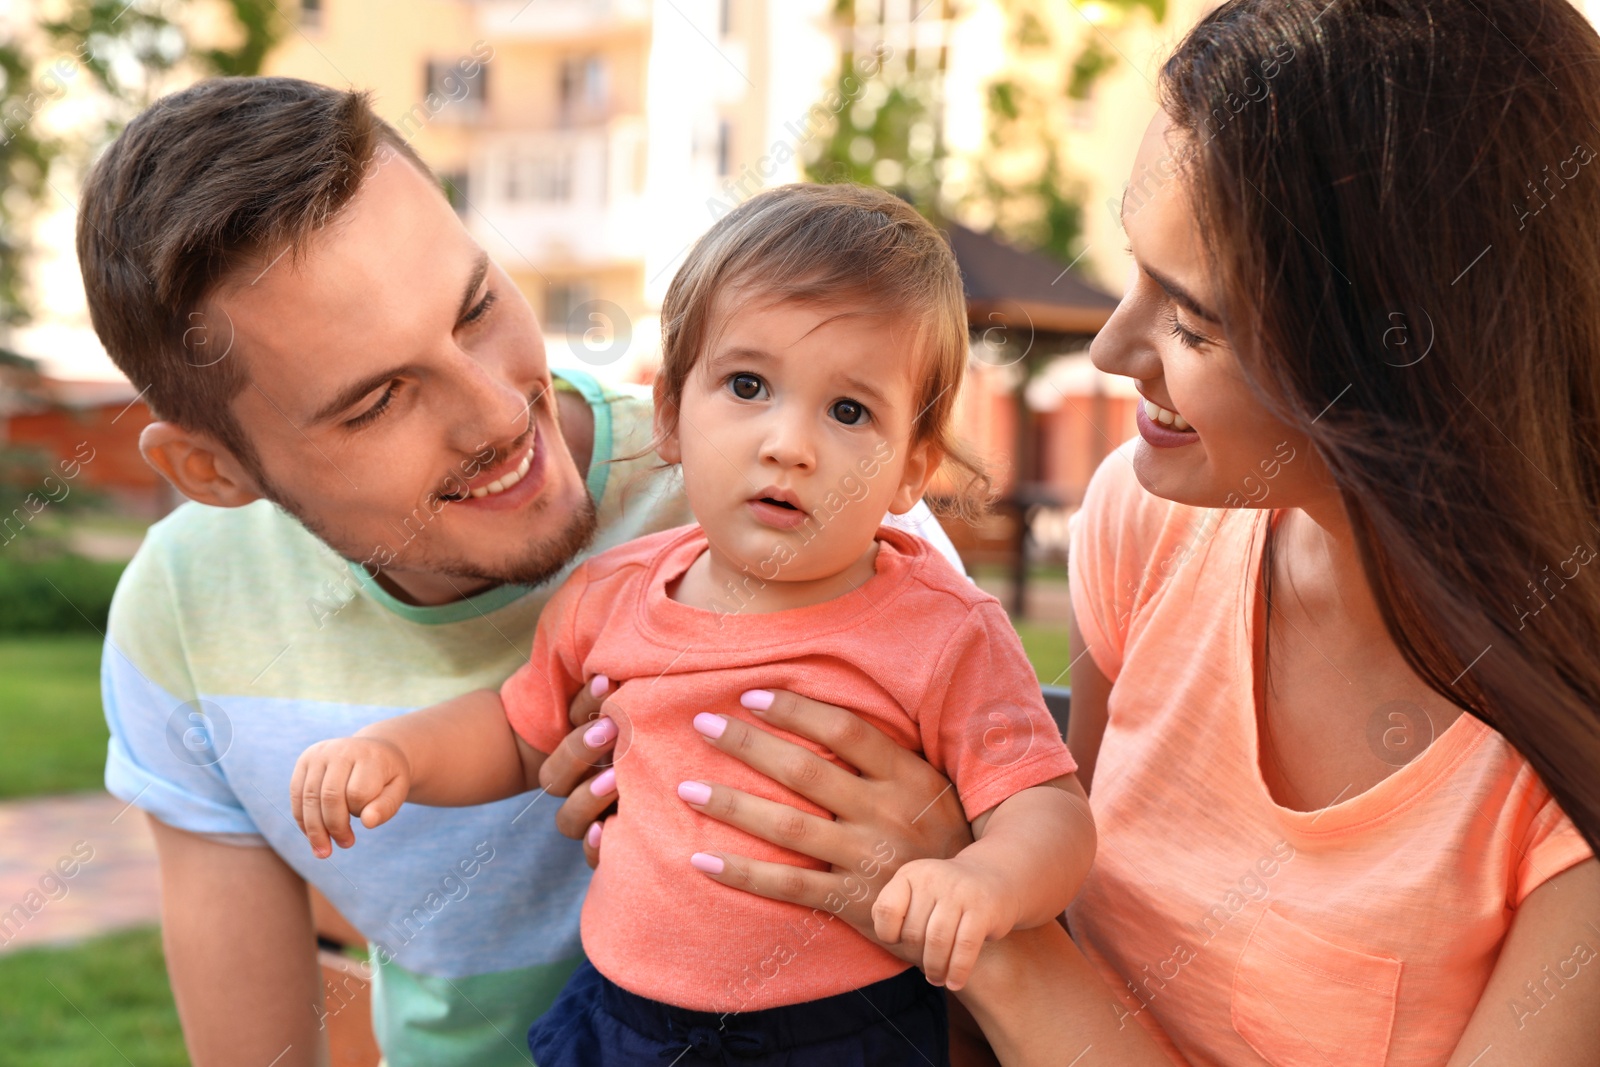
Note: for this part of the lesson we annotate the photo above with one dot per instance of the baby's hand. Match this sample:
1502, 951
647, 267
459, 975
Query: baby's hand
333, 778
952, 907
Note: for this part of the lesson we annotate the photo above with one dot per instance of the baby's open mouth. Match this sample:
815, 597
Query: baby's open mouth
778, 503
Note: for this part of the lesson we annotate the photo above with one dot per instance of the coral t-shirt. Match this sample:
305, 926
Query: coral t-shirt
1360, 934
917, 650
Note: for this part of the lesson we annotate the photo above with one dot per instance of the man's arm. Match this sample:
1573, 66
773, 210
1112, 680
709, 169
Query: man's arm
236, 926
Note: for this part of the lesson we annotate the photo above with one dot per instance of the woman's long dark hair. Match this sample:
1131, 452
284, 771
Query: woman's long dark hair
1401, 199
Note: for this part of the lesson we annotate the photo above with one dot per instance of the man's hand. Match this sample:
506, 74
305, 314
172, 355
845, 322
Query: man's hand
366, 775
949, 908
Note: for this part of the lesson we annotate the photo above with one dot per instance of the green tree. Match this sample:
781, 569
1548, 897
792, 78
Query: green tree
25, 158
890, 131
133, 51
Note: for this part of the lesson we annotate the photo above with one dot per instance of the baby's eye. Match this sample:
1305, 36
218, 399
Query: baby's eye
849, 412
746, 386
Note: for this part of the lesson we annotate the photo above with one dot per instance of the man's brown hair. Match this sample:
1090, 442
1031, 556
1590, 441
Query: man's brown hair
831, 245
204, 185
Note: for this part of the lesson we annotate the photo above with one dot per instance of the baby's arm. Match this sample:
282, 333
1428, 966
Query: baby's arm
1032, 853
455, 754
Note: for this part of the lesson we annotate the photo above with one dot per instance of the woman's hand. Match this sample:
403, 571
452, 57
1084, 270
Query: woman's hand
896, 810
580, 769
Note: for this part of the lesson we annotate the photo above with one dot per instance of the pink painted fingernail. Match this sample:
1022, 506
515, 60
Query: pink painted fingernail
593, 836
605, 782
695, 793
710, 725
599, 686
756, 699
704, 861
602, 731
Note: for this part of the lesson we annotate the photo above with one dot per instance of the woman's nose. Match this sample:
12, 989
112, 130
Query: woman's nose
1124, 345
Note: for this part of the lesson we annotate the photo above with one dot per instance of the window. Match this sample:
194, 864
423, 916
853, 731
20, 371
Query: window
455, 189
585, 87
544, 177
724, 148
449, 80
561, 301
311, 14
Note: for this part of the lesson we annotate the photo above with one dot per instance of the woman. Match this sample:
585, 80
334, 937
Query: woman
1357, 528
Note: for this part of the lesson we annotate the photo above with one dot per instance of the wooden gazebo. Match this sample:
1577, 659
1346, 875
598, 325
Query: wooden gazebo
1038, 309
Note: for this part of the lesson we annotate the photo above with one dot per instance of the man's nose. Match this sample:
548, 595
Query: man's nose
493, 410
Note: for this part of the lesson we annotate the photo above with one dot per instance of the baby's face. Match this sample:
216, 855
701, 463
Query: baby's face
794, 435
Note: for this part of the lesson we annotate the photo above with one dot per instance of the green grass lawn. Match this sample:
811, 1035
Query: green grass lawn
102, 1003
50, 715
1046, 646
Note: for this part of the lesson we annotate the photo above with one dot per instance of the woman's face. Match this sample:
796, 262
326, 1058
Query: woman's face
1205, 438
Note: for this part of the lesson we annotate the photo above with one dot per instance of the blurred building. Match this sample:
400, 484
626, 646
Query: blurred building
586, 143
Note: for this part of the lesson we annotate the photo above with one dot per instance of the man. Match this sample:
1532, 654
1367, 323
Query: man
388, 483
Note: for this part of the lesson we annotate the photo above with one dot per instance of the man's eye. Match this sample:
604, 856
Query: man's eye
481, 309
850, 412
374, 411
746, 386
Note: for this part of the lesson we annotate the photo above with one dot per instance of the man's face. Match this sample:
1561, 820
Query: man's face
399, 401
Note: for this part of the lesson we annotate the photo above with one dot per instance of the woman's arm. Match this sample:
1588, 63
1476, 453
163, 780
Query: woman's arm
1554, 944
1041, 1004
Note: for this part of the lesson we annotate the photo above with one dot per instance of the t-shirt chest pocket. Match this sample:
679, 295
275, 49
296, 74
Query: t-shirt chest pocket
1300, 1000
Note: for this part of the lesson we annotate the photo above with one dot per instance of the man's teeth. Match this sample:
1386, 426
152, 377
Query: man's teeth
505, 481
1157, 413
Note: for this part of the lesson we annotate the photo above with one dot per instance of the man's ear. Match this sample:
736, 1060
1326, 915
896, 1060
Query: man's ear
922, 461
665, 423
198, 466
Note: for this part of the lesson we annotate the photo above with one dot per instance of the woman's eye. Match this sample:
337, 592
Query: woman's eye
849, 412
746, 386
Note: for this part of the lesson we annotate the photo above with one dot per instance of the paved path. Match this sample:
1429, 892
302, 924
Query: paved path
74, 866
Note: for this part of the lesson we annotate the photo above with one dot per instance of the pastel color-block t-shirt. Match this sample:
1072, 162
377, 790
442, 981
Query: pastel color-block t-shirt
1246, 932
917, 649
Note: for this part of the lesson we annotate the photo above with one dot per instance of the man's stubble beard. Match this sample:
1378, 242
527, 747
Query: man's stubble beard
544, 561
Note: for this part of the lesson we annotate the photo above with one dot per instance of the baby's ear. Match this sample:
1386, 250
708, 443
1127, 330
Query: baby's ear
922, 462
665, 422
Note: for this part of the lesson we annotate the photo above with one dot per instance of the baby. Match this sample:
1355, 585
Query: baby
815, 342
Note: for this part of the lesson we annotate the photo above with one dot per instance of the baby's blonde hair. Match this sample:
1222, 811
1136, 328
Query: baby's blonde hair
830, 245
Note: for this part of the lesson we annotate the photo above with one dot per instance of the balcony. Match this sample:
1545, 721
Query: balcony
560, 197
559, 20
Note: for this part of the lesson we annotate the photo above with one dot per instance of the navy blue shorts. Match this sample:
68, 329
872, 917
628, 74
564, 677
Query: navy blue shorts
898, 1022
